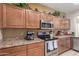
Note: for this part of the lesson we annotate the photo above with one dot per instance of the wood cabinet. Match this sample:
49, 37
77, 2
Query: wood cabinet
1, 11
13, 17
61, 45
64, 44
35, 49
49, 17
33, 20
46, 17
61, 23
64, 24
43, 16
68, 43
15, 51
56, 21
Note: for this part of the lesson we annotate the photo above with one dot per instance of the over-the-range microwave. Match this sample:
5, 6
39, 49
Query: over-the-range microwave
46, 24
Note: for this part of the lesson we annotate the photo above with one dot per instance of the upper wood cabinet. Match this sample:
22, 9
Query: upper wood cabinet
64, 24
61, 23
13, 17
1, 11
46, 17
56, 21
43, 16
49, 17
33, 20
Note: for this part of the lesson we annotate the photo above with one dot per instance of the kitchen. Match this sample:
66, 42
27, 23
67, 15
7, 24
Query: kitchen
36, 30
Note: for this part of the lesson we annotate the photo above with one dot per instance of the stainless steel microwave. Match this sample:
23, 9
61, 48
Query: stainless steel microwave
46, 24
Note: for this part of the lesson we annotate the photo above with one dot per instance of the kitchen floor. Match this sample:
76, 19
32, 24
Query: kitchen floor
70, 53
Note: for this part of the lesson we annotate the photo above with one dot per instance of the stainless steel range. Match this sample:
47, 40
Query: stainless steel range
50, 43
50, 46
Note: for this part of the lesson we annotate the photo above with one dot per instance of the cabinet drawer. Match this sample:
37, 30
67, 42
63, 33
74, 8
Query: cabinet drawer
13, 49
35, 45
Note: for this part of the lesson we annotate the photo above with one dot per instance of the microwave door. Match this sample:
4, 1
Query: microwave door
43, 25
46, 25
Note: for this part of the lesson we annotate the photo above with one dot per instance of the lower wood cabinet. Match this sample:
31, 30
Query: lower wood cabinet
64, 44
20, 53
34, 49
14, 51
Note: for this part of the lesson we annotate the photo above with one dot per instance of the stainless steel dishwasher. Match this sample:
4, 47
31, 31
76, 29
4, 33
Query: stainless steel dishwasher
76, 43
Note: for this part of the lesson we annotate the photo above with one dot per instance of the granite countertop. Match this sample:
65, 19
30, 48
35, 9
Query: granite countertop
63, 36
11, 42
16, 42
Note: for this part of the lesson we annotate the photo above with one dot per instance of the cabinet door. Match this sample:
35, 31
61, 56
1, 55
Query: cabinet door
46, 17
13, 17
33, 19
56, 21
68, 43
65, 24
1, 10
20, 53
49, 18
62, 24
61, 45
43, 16
36, 52
35, 49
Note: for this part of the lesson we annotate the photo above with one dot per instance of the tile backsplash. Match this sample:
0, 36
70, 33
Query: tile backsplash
13, 33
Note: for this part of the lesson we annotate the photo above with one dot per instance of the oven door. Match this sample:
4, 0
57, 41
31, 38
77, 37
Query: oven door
49, 45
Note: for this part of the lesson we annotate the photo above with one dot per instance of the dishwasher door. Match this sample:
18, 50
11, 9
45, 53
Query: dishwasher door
76, 44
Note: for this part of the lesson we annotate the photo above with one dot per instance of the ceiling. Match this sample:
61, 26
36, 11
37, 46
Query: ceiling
64, 7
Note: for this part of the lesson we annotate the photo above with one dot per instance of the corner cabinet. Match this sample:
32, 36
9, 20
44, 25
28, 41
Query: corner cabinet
1, 10
13, 17
33, 20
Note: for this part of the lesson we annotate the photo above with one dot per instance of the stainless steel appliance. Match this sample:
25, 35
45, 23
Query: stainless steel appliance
50, 44
76, 43
46, 24
43, 35
29, 36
